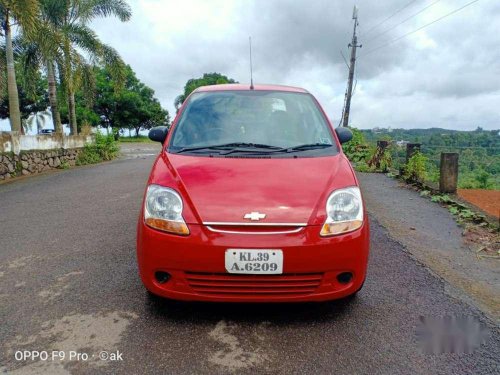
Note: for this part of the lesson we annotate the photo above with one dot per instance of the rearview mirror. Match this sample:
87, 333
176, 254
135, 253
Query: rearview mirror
344, 134
158, 134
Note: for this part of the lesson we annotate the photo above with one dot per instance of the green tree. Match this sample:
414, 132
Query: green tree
132, 106
24, 14
483, 178
208, 79
40, 52
71, 19
36, 100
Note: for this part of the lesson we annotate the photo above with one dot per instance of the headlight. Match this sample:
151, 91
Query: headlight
163, 210
344, 208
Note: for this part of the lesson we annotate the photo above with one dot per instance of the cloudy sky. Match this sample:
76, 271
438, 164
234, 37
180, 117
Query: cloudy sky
446, 75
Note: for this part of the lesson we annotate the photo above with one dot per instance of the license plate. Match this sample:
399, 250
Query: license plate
251, 261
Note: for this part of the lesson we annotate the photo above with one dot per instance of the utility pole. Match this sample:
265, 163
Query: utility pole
353, 45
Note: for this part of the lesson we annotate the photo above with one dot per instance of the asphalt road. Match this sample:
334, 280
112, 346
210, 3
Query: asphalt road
68, 282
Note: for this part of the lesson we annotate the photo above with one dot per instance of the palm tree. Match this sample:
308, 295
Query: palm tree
70, 18
24, 14
38, 119
39, 54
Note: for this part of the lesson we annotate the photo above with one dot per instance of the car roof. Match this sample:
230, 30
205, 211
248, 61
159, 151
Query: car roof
242, 87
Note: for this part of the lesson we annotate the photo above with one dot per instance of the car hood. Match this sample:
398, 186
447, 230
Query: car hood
286, 190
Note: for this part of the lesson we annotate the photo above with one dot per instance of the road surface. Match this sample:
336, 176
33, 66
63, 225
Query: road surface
69, 283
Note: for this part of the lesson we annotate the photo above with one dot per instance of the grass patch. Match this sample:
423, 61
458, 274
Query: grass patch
104, 148
139, 139
64, 165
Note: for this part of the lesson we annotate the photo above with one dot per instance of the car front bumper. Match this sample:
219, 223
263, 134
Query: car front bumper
196, 266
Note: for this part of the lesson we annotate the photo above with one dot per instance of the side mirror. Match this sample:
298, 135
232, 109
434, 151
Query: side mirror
344, 134
158, 134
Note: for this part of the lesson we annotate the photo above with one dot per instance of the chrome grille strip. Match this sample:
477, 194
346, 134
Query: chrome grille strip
254, 224
294, 230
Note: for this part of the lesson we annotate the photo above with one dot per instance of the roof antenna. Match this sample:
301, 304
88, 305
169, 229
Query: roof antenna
251, 71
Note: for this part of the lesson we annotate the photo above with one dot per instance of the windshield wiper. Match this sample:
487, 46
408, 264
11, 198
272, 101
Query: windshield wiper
308, 146
253, 148
229, 148
233, 147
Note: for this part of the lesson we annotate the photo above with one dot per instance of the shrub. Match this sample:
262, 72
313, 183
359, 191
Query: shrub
104, 148
363, 167
64, 165
356, 149
86, 128
415, 169
380, 161
483, 178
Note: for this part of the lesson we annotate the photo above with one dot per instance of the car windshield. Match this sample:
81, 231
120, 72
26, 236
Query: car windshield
266, 122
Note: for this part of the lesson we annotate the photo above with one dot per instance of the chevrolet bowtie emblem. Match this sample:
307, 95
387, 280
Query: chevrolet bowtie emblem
254, 216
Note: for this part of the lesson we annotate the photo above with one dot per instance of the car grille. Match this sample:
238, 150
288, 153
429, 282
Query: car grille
248, 285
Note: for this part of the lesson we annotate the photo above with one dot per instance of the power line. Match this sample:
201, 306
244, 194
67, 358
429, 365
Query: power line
346, 64
388, 18
420, 28
406, 19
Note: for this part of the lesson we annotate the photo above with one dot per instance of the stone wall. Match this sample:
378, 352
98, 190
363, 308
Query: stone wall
35, 161
22, 155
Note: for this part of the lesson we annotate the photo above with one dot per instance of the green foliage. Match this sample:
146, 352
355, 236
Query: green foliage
104, 148
356, 149
363, 167
460, 211
386, 161
208, 79
64, 165
441, 198
479, 152
140, 138
463, 213
483, 178
131, 106
34, 100
19, 167
415, 169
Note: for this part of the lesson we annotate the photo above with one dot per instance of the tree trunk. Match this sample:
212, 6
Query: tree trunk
14, 112
137, 131
72, 113
54, 106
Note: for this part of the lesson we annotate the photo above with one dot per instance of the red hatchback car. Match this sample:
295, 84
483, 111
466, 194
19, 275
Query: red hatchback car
252, 200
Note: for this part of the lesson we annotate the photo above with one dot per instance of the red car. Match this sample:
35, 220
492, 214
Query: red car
252, 200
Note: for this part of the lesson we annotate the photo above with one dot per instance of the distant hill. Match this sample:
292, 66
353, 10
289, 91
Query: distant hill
439, 137
479, 152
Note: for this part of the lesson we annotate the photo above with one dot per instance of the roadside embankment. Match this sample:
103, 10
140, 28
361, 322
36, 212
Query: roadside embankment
430, 233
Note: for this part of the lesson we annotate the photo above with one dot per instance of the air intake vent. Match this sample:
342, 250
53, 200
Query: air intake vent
248, 285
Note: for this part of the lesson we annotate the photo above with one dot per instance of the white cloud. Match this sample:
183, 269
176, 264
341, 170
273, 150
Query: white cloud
445, 75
